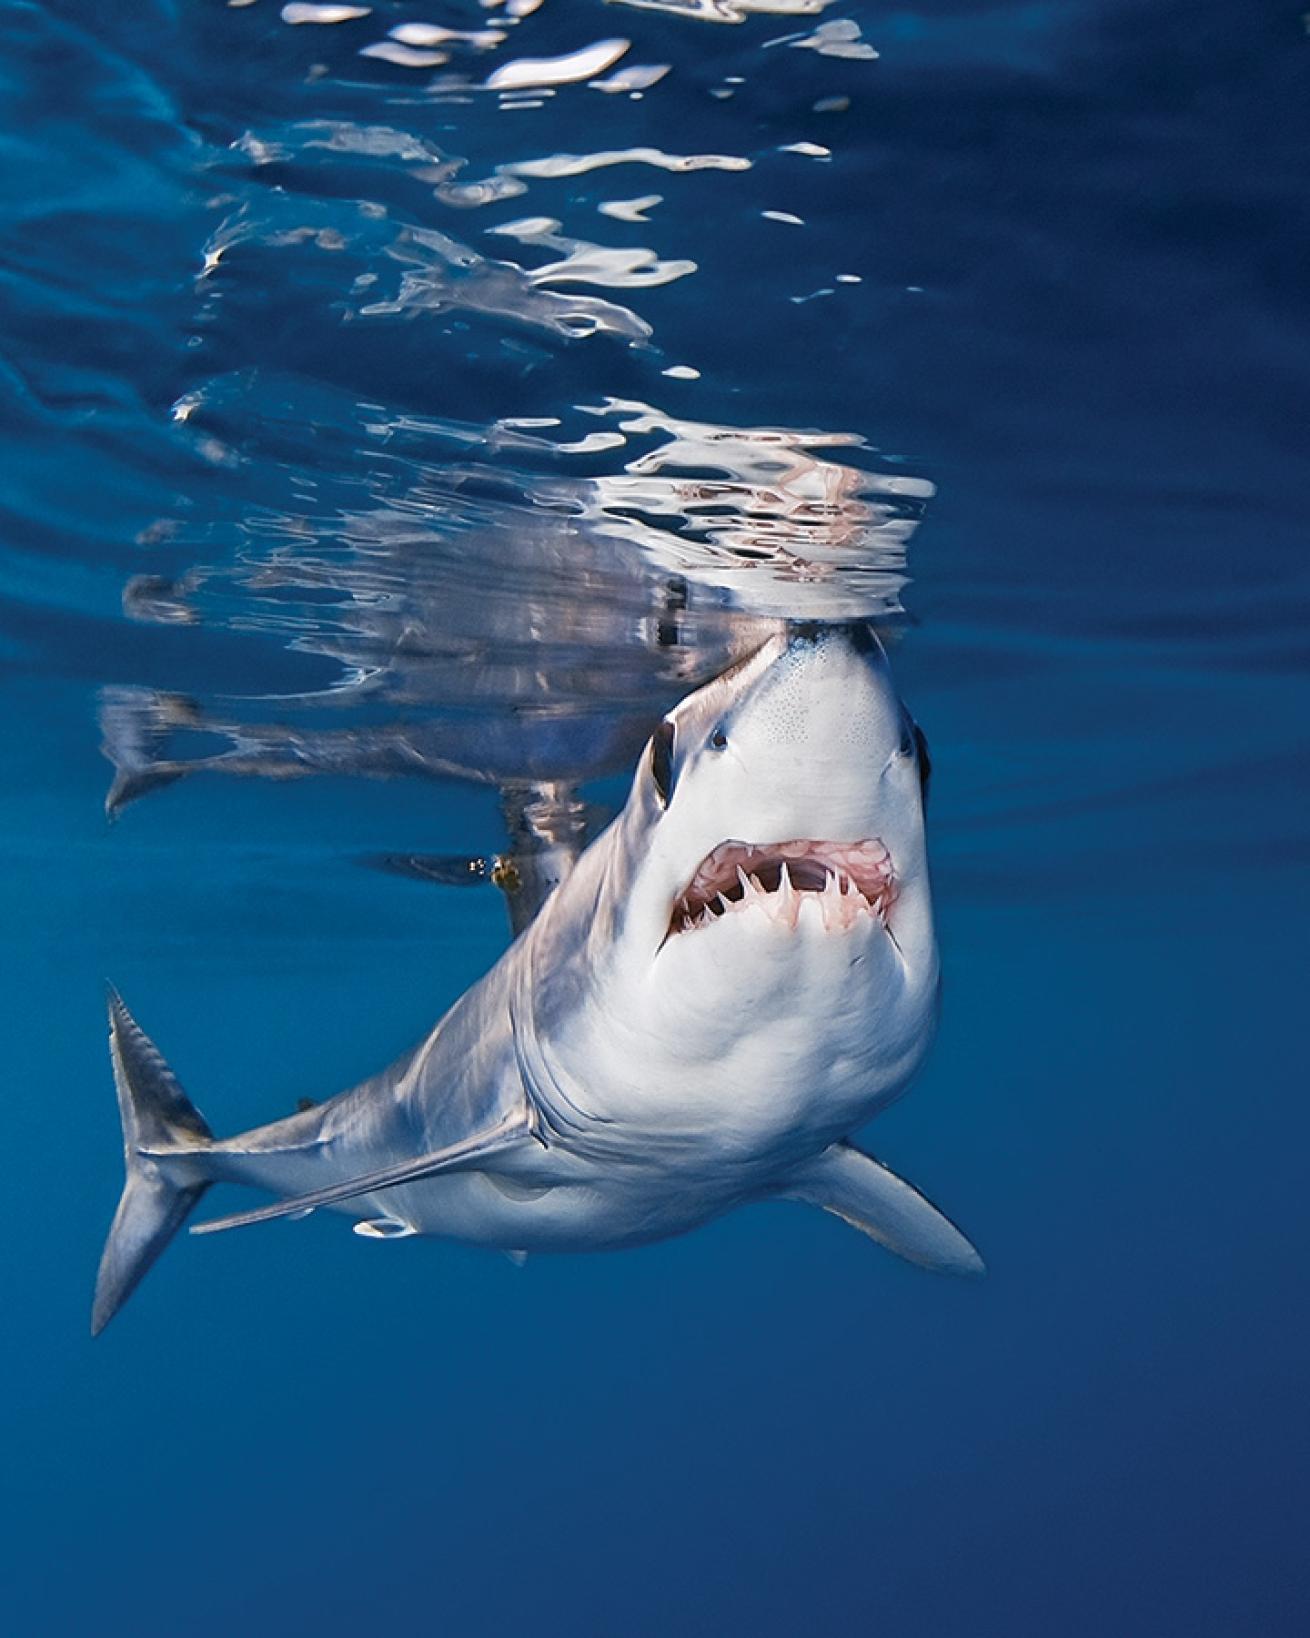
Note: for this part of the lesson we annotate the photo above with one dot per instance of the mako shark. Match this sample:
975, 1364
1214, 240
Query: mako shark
736, 975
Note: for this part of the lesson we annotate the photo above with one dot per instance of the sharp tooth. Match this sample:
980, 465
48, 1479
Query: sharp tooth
788, 898
725, 901
757, 886
746, 883
706, 918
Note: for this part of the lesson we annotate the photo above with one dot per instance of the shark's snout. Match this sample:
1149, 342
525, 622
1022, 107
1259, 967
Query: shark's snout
857, 635
828, 694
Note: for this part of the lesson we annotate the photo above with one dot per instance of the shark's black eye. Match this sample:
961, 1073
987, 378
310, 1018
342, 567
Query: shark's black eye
718, 740
661, 761
925, 761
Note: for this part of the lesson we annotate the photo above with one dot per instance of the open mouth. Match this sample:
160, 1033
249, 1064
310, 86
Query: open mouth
849, 880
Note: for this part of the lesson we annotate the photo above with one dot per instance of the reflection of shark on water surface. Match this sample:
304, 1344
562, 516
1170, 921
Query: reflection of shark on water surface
738, 973
521, 653
517, 629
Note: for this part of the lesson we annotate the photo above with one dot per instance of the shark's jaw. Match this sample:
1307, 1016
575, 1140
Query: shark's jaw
852, 883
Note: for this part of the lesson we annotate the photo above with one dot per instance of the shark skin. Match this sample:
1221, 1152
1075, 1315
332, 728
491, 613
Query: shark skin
740, 971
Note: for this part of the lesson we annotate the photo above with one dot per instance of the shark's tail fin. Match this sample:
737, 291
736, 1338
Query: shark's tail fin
135, 724
164, 1139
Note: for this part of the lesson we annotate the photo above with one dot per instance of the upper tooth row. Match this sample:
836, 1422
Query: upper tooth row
834, 882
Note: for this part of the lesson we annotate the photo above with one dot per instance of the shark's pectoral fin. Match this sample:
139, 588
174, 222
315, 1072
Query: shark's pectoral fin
856, 1187
505, 1134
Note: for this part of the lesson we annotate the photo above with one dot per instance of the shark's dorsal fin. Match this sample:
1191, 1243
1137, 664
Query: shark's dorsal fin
864, 1193
507, 1132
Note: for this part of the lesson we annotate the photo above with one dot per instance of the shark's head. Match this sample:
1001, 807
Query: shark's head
766, 915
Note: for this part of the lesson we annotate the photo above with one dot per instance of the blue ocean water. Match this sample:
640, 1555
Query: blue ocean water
340, 451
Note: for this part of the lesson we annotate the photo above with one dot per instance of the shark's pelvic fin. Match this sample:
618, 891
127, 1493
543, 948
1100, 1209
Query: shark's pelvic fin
381, 1228
505, 1134
859, 1189
163, 1137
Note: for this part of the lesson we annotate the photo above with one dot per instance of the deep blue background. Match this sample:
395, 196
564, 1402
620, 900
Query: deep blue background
767, 1427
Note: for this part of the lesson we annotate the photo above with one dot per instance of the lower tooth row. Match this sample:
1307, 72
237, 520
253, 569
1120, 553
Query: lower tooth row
840, 898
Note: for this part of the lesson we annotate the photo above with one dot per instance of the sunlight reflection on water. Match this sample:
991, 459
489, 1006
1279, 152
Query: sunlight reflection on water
510, 599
